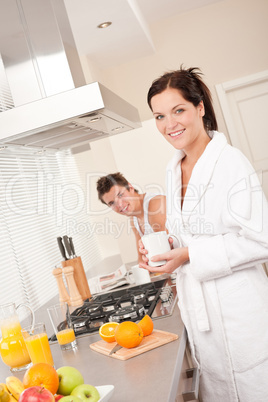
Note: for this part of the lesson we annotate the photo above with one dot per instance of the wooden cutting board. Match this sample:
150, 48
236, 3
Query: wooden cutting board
156, 339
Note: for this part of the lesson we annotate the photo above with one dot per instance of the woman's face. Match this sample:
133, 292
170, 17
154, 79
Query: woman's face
178, 120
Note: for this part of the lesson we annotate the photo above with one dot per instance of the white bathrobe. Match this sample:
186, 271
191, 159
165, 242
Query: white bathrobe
223, 290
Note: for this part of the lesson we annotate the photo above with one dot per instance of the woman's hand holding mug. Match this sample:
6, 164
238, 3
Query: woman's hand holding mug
156, 252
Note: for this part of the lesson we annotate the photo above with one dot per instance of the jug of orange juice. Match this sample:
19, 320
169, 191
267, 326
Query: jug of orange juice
12, 346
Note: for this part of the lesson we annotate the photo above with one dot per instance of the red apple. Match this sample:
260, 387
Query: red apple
57, 397
36, 394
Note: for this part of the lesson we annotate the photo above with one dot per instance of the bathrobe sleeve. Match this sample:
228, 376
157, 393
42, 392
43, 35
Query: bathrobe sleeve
240, 239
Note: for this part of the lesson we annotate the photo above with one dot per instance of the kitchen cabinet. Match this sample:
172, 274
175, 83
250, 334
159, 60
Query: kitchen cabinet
189, 379
182, 383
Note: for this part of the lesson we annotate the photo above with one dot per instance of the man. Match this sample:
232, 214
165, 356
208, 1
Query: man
147, 211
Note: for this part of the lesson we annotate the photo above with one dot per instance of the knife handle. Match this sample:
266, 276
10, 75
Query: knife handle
72, 246
59, 239
67, 245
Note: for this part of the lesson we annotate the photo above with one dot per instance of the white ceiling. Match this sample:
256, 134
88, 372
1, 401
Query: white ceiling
129, 36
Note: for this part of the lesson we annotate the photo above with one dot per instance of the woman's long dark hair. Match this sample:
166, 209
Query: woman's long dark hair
193, 89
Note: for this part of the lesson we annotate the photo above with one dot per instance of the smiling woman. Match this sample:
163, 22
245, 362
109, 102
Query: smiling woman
220, 279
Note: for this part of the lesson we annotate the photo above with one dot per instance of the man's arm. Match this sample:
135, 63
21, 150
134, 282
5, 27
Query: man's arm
137, 238
157, 213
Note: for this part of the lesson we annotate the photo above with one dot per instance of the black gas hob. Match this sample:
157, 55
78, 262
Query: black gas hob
157, 299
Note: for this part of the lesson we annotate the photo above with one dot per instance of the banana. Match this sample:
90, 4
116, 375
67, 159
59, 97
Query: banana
11, 397
4, 386
4, 394
2, 389
14, 386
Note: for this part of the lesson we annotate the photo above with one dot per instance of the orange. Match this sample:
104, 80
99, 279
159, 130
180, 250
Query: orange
128, 334
146, 325
107, 330
43, 375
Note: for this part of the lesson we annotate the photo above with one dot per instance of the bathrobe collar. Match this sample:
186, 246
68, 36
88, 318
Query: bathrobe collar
201, 174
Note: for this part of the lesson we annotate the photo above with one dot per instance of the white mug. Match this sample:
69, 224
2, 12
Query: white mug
139, 275
157, 243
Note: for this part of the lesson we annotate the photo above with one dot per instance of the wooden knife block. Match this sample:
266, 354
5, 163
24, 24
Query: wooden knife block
79, 276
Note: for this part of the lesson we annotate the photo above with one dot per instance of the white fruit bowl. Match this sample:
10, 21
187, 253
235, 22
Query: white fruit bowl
105, 391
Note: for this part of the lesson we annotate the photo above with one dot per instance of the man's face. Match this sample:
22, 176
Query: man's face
121, 200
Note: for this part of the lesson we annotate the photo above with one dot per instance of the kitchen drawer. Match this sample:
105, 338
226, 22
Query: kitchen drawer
186, 383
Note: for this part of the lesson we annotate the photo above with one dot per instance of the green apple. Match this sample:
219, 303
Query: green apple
69, 378
70, 398
86, 392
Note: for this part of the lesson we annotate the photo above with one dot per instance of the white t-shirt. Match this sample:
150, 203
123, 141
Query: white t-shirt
147, 227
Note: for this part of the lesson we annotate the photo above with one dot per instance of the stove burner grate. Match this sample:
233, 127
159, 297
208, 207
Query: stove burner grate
130, 313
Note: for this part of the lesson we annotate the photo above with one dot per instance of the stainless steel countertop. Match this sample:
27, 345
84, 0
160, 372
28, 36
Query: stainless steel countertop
150, 377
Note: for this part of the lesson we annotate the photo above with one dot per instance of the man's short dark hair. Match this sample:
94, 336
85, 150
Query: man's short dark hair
105, 183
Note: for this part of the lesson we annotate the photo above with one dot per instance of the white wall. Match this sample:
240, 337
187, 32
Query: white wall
93, 164
227, 40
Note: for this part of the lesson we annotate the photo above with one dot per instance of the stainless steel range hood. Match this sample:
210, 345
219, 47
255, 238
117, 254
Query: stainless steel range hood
53, 107
68, 119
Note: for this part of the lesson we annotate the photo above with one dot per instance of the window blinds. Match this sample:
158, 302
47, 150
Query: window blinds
40, 194
6, 101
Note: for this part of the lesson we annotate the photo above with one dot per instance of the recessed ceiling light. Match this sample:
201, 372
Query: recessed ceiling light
94, 119
104, 24
117, 128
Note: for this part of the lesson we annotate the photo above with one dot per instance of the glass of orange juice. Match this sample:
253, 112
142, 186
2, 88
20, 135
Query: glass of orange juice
36, 340
62, 324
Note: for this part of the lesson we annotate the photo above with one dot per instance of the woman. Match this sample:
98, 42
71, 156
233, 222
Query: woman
216, 205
